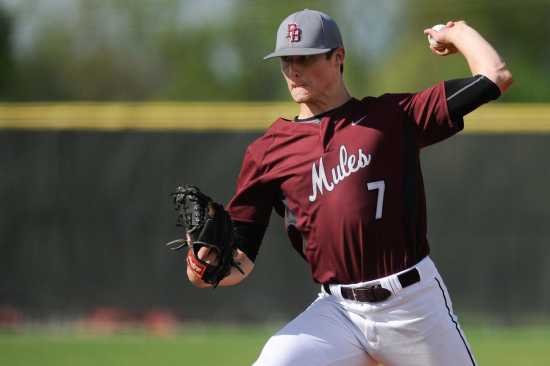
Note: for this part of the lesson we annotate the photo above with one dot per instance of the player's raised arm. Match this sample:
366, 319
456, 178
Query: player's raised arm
482, 58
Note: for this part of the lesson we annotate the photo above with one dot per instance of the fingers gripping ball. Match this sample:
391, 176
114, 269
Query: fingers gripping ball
431, 40
208, 233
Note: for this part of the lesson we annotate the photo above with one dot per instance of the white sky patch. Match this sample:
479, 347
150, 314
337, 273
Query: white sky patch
368, 27
225, 62
32, 16
108, 18
198, 14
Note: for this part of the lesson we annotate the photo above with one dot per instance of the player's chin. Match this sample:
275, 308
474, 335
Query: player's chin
300, 95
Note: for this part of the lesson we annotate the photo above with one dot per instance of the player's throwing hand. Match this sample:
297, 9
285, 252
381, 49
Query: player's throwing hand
441, 38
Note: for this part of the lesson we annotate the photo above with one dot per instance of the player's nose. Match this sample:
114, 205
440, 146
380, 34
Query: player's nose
294, 69
292, 77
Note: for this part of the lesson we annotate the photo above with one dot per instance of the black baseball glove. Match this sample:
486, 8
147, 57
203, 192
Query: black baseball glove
207, 225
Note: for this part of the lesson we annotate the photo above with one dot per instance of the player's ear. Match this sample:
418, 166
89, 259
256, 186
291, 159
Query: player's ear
340, 55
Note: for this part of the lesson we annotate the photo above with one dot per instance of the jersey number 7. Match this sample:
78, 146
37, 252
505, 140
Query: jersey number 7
380, 186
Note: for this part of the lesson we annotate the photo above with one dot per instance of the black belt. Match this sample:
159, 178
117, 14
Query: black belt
375, 292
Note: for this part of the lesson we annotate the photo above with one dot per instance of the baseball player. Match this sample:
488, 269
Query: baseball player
345, 175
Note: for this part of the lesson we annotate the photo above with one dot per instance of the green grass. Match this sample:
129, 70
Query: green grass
191, 346
225, 346
524, 346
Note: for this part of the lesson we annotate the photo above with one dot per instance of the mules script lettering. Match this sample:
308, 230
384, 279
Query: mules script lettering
347, 165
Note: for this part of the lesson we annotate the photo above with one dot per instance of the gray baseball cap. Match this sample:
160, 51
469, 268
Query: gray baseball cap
306, 32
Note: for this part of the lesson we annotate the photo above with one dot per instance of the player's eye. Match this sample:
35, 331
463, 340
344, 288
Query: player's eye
296, 59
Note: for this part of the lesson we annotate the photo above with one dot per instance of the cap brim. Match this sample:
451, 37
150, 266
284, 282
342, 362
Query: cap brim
297, 52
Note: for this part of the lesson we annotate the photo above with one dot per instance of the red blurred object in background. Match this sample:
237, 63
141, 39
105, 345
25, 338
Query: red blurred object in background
10, 317
160, 322
107, 319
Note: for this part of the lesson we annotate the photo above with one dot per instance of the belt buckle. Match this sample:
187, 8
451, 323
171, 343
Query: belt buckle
354, 294
374, 293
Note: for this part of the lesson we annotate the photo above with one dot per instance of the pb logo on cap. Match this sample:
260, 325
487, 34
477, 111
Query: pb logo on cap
294, 33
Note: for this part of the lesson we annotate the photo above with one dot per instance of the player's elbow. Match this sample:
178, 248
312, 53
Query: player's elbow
504, 79
500, 75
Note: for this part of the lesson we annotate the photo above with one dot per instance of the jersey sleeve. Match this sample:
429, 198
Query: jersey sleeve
254, 196
427, 111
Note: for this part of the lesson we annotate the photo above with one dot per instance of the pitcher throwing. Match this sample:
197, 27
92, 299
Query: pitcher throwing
345, 174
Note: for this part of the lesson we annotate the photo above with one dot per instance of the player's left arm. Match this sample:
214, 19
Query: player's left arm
482, 58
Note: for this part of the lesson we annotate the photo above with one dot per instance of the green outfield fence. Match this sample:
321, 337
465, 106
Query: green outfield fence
86, 209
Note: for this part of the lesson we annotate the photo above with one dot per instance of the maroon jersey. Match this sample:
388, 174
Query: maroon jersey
348, 184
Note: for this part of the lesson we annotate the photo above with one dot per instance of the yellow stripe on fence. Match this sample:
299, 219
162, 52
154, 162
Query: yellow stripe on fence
509, 118
199, 116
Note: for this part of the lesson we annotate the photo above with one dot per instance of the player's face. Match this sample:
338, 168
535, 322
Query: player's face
309, 78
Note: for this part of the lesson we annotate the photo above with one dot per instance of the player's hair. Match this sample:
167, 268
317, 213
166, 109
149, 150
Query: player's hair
329, 54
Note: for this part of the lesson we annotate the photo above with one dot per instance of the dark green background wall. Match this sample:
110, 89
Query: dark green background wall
84, 216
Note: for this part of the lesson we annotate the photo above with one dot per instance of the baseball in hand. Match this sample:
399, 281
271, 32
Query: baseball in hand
431, 40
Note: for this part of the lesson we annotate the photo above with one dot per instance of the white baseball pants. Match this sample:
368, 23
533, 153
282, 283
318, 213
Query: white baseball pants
415, 326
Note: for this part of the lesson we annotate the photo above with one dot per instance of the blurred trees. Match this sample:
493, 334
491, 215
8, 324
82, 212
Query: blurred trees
6, 56
213, 49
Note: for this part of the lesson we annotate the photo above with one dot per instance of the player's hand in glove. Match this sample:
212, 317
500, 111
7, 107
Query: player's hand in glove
208, 233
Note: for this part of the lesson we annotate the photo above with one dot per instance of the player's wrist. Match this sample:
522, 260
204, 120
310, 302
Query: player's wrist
195, 279
455, 32
462, 36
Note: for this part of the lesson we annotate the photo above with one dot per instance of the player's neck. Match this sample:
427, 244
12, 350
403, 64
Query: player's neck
324, 103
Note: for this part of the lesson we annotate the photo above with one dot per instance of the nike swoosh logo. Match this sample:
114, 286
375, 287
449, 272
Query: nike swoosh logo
355, 123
